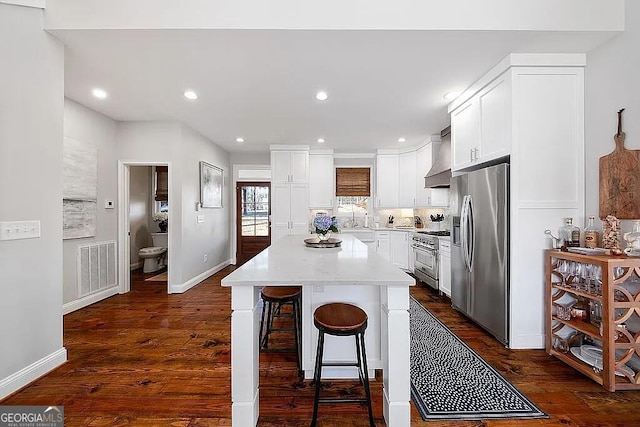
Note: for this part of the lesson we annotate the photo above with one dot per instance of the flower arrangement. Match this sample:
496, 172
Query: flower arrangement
162, 219
324, 224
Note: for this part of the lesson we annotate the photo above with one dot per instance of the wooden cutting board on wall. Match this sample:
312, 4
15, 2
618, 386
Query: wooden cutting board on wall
620, 180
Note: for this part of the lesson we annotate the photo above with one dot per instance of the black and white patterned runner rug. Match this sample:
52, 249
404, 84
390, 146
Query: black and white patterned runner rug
450, 381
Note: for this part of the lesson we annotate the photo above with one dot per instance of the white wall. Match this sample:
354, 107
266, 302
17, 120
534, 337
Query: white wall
88, 126
140, 211
31, 115
212, 236
250, 158
170, 142
612, 83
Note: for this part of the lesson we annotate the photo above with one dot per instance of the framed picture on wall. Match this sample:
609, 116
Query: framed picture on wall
210, 186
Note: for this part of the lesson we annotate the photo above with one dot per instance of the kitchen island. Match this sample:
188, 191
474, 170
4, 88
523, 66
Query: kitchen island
352, 273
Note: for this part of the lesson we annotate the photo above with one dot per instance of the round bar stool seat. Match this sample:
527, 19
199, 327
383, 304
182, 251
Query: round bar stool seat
274, 298
338, 318
281, 293
341, 319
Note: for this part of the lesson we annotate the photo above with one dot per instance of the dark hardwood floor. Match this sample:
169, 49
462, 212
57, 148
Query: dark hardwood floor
151, 359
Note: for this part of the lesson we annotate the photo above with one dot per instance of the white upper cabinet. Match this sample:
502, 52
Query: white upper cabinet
495, 121
406, 179
465, 134
400, 180
386, 181
289, 166
321, 180
480, 127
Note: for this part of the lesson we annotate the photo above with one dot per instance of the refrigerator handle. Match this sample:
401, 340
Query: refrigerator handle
472, 232
464, 232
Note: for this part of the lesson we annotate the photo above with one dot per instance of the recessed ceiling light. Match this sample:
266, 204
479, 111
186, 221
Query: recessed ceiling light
452, 95
321, 96
99, 93
189, 94
239, 140
402, 140
320, 140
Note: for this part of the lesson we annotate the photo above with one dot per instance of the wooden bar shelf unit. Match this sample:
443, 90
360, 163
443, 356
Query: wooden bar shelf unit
619, 331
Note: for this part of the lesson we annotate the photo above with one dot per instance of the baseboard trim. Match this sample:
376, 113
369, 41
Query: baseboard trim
23, 377
135, 265
89, 299
181, 288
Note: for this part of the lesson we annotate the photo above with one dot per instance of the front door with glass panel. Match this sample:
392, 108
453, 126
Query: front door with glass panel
252, 220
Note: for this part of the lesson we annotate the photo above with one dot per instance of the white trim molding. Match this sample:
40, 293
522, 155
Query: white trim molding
24, 376
179, 289
38, 4
89, 299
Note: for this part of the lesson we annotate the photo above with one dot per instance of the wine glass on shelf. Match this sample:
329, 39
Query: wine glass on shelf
595, 286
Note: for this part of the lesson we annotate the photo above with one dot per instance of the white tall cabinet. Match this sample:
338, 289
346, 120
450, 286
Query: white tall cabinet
529, 107
289, 191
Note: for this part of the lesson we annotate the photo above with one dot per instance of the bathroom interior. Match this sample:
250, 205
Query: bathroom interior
148, 222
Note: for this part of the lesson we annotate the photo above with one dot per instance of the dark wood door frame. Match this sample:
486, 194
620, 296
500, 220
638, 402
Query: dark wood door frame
249, 246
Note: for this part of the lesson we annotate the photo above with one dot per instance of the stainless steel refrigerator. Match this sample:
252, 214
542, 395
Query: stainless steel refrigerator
480, 248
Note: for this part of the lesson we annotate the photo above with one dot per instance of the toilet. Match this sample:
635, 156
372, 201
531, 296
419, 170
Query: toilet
155, 256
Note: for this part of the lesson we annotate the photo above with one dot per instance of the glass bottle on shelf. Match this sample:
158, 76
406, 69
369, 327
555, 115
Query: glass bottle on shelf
569, 233
591, 234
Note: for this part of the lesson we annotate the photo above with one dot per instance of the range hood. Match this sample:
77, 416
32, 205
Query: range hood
439, 175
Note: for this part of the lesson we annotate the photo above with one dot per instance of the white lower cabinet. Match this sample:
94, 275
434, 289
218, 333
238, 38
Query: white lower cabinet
444, 271
399, 243
383, 248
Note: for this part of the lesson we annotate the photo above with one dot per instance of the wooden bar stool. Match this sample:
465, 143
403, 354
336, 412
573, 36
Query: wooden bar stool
274, 298
341, 319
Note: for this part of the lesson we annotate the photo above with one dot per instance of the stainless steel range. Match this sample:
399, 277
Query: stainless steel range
425, 247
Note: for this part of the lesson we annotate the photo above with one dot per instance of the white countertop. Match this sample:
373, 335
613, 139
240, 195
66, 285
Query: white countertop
289, 261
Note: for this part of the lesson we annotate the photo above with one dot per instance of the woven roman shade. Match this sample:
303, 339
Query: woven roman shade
162, 183
353, 182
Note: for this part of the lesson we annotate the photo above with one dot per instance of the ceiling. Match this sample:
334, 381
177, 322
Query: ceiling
260, 84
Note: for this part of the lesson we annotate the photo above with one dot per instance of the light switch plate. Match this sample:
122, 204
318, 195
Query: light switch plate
200, 218
15, 230
108, 204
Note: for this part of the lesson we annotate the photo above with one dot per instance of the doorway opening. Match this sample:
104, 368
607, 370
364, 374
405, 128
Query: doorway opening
144, 216
253, 231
